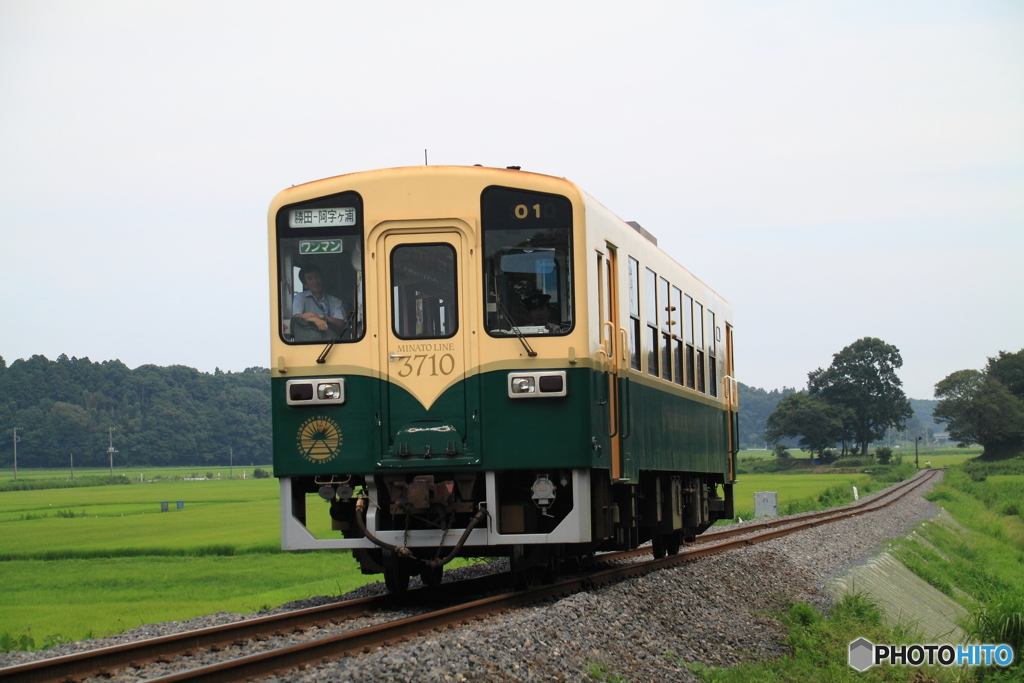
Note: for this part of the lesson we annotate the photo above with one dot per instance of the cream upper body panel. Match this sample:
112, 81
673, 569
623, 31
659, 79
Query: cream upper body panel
446, 200
423, 201
606, 231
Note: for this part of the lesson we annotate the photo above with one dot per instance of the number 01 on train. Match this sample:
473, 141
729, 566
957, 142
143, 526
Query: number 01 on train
485, 362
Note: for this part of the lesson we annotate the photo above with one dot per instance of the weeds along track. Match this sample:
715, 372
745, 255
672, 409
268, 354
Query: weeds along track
296, 639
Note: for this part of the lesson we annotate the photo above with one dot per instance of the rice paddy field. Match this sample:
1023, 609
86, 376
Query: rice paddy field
939, 457
96, 560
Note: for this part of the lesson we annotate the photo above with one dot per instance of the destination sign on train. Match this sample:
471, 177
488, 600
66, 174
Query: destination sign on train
322, 218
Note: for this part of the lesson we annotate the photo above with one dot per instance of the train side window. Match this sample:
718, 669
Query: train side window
675, 329
712, 355
651, 283
528, 266
664, 316
423, 291
691, 364
698, 335
320, 270
634, 313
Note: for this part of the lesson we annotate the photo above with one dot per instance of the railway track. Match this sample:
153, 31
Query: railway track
107, 660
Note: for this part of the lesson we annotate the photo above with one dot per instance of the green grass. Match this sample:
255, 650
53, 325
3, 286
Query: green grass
134, 473
796, 492
983, 557
978, 560
939, 457
126, 520
99, 597
819, 649
84, 562
102, 559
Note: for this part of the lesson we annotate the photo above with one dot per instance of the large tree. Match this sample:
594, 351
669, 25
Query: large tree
986, 407
862, 379
818, 424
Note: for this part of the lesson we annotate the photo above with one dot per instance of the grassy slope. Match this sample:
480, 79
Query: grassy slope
977, 561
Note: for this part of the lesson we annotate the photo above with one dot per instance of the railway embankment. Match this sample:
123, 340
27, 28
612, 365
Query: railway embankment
906, 600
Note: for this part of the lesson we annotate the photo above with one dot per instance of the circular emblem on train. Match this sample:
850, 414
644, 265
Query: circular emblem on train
319, 439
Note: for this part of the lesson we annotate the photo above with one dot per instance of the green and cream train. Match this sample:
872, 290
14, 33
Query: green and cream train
473, 361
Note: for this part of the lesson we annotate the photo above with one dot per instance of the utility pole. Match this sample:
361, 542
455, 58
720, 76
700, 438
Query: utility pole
917, 461
16, 440
231, 472
111, 450
72, 466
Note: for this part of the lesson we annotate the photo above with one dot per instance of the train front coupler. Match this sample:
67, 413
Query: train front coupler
362, 505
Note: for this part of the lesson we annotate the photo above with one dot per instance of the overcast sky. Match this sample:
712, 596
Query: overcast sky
835, 169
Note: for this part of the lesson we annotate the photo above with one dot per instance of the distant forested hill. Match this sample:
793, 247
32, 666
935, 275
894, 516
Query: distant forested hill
161, 415
757, 404
179, 416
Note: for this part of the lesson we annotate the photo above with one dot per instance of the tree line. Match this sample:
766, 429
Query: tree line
161, 416
858, 397
178, 415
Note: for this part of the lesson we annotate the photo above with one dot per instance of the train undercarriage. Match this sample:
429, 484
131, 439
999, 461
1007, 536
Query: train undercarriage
403, 525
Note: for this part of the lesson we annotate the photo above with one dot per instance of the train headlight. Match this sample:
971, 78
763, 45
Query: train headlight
327, 391
305, 392
523, 385
549, 384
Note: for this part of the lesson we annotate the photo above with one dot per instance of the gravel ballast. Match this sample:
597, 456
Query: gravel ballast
716, 611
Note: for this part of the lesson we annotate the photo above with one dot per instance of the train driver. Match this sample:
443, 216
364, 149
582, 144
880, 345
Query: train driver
314, 305
539, 309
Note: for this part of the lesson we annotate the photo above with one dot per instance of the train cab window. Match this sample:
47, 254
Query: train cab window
424, 303
691, 364
634, 313
527, 257
652, 322
320, 270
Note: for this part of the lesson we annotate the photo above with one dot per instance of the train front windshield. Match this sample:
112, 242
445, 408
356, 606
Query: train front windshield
527, 244
320, 270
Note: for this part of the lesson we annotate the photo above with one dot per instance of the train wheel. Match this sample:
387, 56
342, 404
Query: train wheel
658, 546
672, 543
431, 576
552, 569
524, 574
396, 576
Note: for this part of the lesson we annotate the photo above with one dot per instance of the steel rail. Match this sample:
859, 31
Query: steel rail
775, 523
102, 661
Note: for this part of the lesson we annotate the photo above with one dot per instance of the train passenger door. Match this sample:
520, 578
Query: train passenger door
424, 347
613, 344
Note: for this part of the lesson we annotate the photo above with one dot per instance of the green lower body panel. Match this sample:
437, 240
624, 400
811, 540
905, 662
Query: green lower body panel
477, 426
666, 432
